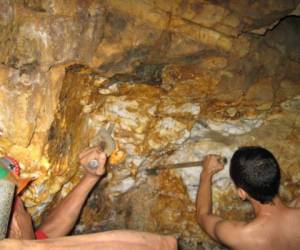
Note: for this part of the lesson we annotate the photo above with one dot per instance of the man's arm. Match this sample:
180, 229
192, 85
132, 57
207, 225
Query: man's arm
205, 217
20, 225
216, 227
63, 218
112, 240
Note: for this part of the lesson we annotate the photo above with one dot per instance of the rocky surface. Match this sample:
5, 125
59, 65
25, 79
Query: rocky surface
179, 80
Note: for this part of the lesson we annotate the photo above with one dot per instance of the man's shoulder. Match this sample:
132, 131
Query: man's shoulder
293, 216
232, 232
232, 224
240, 228
237, 234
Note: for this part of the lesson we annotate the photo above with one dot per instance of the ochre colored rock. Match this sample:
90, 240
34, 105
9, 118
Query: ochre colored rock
179, 79
260, 92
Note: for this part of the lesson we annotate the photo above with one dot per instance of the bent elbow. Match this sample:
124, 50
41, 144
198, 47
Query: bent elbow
201, 218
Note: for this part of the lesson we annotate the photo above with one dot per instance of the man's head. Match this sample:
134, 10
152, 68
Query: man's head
256, 171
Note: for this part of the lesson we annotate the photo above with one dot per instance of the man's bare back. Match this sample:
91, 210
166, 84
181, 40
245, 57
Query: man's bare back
279, 229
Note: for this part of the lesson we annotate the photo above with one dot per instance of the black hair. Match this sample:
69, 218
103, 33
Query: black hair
256, 170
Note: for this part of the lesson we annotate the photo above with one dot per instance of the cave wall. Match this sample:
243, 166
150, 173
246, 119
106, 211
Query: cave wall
179, 79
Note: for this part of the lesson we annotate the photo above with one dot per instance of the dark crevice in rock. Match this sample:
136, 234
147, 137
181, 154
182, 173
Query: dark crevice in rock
75, 68
29, 67
145, 71
286, 37
116, 21
131, 56
150, 72
36, 5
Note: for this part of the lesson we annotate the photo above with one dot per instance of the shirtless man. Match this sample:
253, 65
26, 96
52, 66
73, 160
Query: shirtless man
256, 175
63, 218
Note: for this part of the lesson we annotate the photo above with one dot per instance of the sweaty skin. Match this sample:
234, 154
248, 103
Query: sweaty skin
275, 227
113, 240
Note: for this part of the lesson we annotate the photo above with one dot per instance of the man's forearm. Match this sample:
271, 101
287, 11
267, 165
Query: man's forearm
113, 240
63, 218
204, 204
205, 218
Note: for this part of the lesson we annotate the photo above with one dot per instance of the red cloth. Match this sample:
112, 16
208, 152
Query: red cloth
40, 235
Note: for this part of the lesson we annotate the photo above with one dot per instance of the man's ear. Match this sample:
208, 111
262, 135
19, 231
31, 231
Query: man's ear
242, 193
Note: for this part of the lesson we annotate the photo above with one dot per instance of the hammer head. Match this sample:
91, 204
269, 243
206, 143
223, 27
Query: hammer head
104, 140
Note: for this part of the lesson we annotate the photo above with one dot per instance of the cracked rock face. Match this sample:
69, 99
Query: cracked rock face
179, 80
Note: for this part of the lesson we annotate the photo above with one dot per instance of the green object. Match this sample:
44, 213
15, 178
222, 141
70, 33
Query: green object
3, 173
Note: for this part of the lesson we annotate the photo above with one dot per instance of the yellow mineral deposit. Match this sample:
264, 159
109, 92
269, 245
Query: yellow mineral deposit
117, 156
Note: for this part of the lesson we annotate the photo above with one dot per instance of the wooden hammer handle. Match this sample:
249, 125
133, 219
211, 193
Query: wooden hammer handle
222, 160
178, 165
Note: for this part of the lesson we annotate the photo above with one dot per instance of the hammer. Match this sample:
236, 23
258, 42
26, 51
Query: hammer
104, 140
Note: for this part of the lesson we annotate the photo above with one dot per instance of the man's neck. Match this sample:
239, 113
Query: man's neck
267, 209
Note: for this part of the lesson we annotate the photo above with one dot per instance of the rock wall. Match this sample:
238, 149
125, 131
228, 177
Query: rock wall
178, 79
